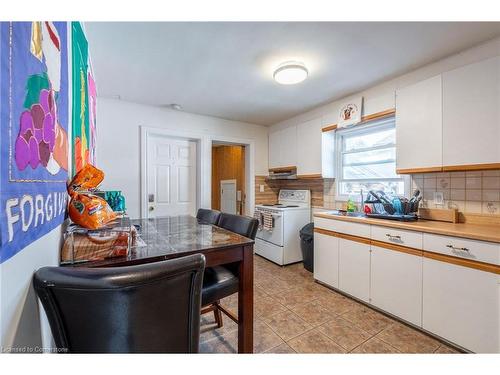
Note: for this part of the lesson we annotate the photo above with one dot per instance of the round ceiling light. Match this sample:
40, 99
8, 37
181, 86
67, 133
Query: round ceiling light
175, 106
290, 73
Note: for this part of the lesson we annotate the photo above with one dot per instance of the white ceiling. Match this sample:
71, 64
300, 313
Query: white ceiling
225, 69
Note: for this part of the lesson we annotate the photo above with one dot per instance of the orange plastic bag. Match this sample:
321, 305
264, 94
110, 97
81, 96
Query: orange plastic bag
85, 209
88, 178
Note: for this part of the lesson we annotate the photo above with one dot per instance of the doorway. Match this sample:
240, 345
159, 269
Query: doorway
171, 170
228, 178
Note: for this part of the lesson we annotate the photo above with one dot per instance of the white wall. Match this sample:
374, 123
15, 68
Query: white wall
382, 96
118, 141
20, 321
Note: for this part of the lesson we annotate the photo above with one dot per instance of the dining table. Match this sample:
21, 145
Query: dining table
169, 237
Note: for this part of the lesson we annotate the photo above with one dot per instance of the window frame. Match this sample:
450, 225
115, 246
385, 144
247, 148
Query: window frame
369, 127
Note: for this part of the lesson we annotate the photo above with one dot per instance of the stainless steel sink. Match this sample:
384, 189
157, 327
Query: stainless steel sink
345, 213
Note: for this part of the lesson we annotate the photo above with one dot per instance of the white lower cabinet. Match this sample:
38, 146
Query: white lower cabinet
326, 259
396, 283
354, 268
461, 305
458, 303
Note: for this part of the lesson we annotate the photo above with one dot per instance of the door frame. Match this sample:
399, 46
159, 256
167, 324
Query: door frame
204, 144
233, 182
249, 145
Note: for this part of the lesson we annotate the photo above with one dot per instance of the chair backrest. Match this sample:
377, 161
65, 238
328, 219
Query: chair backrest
246, 226
149, 308
208, 216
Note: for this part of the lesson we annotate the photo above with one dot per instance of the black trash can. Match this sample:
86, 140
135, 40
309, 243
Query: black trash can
307, 246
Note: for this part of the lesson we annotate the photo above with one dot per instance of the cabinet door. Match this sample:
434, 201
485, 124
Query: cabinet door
288, 146
274, 150
326, 259
462, 305
419, 125
396, 283
471, 114
309, 147
354, 268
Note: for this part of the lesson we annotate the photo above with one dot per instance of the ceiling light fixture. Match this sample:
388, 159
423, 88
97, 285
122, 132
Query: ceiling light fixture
175, 106
290, 73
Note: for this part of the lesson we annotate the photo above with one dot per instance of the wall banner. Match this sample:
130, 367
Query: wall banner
33, 131
84, 101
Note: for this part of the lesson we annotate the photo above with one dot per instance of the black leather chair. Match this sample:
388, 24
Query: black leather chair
208, 216
243, 225
222, 281
124, 309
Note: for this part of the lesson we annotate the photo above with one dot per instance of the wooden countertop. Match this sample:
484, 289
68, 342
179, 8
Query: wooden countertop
481, 232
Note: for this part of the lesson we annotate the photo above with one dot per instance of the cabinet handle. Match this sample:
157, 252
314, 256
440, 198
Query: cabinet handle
457, 248
392, 238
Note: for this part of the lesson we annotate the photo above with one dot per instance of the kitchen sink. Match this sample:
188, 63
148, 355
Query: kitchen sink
345, 213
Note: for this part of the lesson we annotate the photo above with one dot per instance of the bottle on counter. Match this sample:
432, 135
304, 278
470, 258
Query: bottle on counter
351, 204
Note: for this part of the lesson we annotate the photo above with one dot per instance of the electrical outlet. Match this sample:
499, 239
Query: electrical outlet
261, 188
438, 198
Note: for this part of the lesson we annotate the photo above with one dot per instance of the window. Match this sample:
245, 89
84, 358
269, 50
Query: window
366, 157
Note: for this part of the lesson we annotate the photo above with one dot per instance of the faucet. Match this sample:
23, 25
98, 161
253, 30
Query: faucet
362, 202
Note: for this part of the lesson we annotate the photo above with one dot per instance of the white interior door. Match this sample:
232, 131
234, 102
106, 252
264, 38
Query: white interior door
228, 196
171, 176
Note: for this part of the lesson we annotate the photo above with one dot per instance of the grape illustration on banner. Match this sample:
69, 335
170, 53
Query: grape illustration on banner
42, 141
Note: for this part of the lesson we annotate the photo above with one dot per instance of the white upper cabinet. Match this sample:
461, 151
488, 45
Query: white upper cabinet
288, 146
274, 150
419, 125
283, 148
309, 147
471, 114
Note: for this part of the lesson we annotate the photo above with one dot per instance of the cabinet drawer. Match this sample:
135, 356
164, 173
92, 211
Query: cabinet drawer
480, 251
354, 229
401, 237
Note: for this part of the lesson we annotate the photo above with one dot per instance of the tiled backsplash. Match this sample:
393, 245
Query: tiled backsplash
329, 194
470, 192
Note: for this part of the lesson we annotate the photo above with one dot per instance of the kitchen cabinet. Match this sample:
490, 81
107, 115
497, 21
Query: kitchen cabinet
288, 146
396, 283
471, 114
419, 126
274, 150
446, 285
283, 148
326, 259
354, 268
461, 304
309, 148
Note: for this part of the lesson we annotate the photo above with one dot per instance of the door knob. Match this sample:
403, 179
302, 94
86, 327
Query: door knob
151, 208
